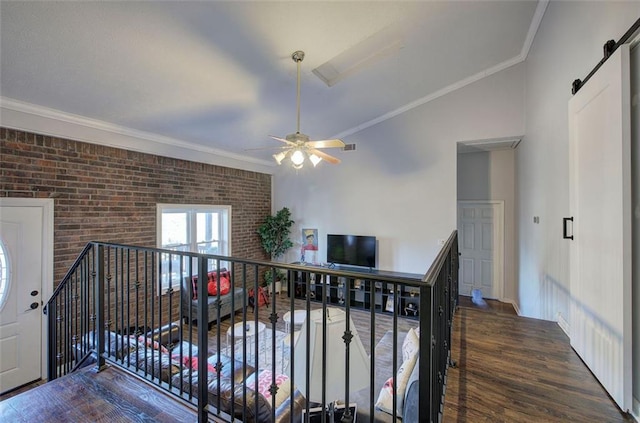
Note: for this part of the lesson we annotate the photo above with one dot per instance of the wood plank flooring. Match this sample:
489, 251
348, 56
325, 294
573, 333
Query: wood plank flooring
361, 319
515, 369
509, 369
112, 395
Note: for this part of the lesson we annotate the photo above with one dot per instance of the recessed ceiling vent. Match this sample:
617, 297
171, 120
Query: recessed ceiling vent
488, 145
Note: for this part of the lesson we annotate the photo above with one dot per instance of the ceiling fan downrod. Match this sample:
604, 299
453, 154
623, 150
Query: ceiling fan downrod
297, 57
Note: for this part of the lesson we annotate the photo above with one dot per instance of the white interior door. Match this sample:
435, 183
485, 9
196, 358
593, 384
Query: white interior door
480, 230
600, 252
21, 276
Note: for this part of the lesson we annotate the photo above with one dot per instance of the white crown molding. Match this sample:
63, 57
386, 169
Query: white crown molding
444, 91
533, 29
42, 120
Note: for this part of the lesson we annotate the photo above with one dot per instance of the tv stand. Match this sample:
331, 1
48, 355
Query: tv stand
358, 291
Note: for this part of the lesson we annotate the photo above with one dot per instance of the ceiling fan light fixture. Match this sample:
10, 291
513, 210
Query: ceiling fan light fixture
280, 157
315, 159
297, 158
298, 145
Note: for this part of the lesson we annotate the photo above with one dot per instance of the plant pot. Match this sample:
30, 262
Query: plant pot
278, 287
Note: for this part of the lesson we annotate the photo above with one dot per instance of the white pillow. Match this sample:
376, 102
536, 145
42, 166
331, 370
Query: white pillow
385, 399
411, 345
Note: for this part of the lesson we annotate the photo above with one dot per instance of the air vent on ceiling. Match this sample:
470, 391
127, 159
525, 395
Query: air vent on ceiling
349, 147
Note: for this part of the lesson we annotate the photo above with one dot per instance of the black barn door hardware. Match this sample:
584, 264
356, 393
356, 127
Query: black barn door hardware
565, 232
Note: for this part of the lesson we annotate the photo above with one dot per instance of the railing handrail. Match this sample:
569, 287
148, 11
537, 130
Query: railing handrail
415, 280
69, 273
108, 278
436, 266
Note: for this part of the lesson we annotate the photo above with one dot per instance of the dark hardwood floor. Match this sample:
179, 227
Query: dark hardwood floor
112, 395
361, 319
516, 369
509, 369
492, 306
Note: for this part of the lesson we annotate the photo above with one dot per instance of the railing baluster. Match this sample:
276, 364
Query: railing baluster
395, 348
372, 348
202, 343
347, 417
99, 308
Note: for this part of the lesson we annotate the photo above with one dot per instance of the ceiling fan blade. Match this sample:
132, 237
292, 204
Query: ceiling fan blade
279, 147
282, 140
326, 143
325, 156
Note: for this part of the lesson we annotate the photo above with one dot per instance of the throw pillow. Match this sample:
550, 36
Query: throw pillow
211, 276
194, 284
225, 286
385, 399
410, 345
150, 343
264, 383
192, 363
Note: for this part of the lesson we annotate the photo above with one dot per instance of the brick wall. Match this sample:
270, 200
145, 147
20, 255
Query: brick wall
109, 194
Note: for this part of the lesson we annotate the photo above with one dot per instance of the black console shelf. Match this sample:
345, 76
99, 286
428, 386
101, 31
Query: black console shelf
358, 292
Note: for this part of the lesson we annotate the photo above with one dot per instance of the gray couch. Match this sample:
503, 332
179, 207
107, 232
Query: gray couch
383, 371
190, 305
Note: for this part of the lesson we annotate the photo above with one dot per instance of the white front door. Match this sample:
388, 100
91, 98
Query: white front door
21, 285
600, 252
481, 242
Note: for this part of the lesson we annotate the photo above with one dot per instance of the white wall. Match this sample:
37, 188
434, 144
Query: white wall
567, 46
400, 183
491, 176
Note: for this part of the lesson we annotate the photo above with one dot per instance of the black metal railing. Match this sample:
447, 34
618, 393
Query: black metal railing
145, 310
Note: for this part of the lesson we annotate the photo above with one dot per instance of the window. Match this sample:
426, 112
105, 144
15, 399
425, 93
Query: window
195, 228
4, 275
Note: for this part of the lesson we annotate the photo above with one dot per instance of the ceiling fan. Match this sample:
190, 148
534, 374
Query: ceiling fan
298, 145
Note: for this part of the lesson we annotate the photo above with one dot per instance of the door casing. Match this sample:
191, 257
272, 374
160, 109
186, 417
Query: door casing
47, 206
498, 244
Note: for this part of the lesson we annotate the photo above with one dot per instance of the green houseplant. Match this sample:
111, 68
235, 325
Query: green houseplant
274, 238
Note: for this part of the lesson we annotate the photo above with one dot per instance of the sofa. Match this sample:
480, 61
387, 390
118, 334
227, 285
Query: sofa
408, 400
190, 304
247, 398
162, 355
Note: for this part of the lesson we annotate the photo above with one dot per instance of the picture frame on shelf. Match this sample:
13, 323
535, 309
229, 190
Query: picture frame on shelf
389, 306
357, 284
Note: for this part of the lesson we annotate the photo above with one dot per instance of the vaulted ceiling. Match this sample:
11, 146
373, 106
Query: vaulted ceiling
219, 75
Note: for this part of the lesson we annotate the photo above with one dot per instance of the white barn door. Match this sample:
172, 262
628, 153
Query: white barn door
600, 200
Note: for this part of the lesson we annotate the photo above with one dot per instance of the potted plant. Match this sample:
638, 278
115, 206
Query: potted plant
274, 238
280, 277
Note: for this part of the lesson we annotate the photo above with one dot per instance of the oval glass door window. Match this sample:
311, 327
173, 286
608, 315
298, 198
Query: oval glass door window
4, 275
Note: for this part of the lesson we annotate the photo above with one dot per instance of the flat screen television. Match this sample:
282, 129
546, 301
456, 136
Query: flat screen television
354, 250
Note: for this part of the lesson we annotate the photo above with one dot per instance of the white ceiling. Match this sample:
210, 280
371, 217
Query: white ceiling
219, 75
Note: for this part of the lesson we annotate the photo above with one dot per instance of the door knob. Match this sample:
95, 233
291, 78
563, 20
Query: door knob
34, 293
34, 305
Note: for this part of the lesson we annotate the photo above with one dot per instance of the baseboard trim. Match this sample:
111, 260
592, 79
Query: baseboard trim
513, 303
564, 325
